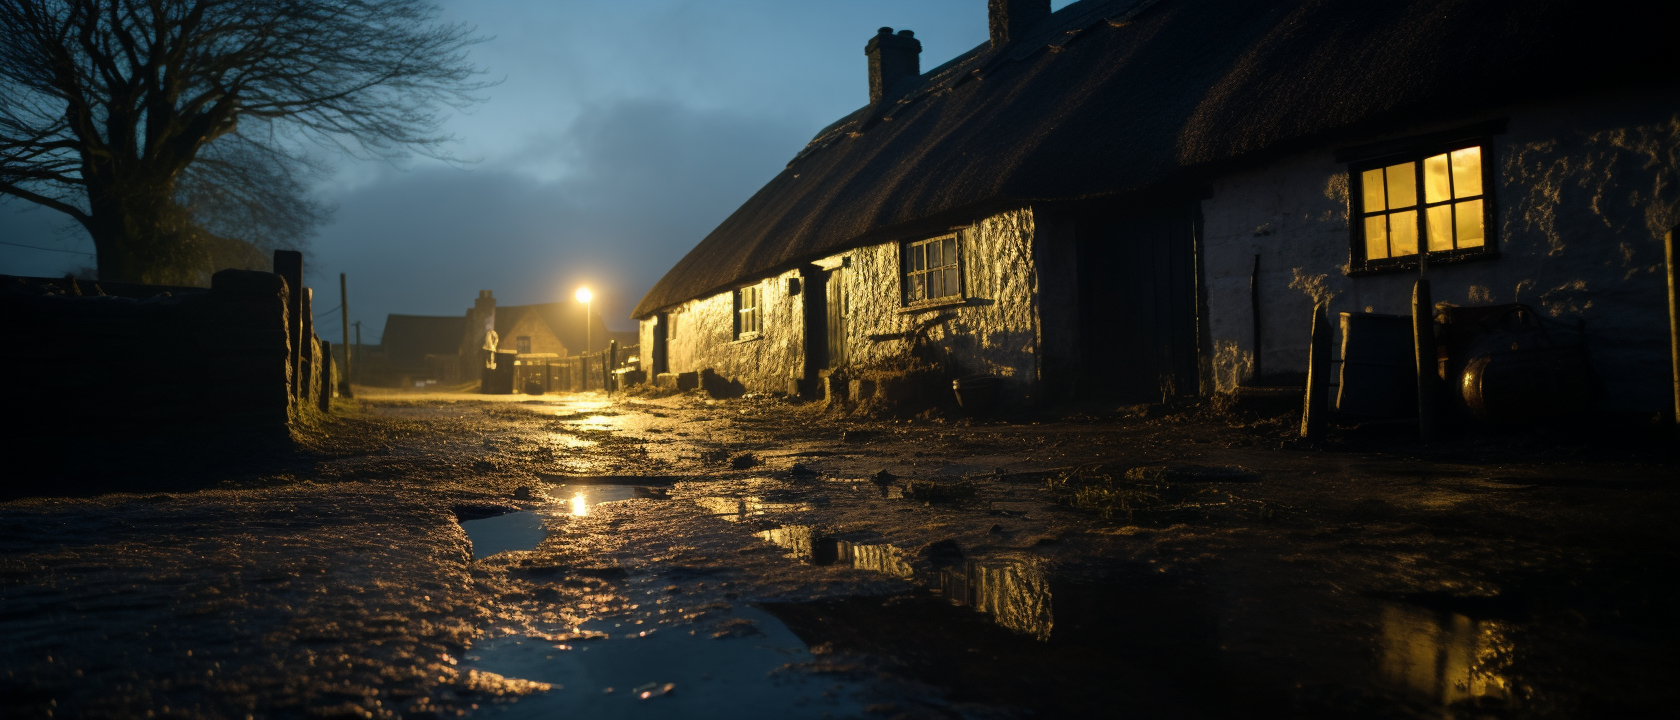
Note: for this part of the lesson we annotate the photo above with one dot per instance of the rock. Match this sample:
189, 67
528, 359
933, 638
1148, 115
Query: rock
522, 493
743, 461
884, 478
799, 470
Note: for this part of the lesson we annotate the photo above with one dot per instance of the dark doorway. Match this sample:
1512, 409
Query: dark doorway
660, 361
837, 312
1137, 304
815, 292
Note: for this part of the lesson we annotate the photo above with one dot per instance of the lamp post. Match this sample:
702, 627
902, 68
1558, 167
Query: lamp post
587, 298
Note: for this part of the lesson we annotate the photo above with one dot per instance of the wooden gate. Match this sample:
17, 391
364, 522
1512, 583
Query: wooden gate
1137, 305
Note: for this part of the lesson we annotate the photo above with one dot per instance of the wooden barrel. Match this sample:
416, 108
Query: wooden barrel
1379, 367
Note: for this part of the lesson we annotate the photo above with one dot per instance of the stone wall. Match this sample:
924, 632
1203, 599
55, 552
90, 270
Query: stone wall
1585, 191
994, 329
100, 362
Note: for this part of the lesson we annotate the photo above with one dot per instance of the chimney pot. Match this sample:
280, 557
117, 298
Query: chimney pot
891, 57
1010, 20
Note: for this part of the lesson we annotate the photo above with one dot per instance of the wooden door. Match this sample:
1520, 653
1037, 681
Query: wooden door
837, 311
1138, 305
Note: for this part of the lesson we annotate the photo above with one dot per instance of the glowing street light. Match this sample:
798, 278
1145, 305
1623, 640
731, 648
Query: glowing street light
587, 298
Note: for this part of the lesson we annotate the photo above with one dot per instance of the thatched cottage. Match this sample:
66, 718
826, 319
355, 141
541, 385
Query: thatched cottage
1118, 199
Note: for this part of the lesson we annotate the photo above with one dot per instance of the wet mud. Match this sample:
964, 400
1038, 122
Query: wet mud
446, 556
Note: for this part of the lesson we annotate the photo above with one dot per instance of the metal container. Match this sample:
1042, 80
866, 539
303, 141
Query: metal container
1519, 372
1379, 367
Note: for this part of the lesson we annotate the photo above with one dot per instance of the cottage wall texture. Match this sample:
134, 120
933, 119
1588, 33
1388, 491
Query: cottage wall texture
1585, 192
994, 330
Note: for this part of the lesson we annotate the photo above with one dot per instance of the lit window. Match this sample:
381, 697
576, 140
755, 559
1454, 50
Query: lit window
749, 318
930, 270
1432, 202
523, 343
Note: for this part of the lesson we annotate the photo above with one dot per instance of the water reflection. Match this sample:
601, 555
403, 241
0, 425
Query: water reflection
747, 508
669, 671
1442, 657
1016, 593
502, 533
581, 499
808, 544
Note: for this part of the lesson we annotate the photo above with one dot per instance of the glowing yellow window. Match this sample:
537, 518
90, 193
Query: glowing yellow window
1432, 204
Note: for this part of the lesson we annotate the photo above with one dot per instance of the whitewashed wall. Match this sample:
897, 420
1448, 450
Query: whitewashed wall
1585, 192
995, 330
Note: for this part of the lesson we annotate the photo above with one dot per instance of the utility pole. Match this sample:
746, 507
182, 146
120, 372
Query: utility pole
344, 322
358, 339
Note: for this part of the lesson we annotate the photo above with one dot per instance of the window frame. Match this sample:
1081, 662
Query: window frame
522, 344
749, 321
960, 264
1358, 264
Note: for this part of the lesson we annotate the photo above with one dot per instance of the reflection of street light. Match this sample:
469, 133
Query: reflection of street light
587, 298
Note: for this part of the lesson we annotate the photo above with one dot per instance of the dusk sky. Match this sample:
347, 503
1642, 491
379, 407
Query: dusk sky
622, 134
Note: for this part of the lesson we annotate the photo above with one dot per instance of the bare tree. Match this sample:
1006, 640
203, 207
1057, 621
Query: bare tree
167, 128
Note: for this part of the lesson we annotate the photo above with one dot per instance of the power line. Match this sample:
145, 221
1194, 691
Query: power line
48, 249
333, 310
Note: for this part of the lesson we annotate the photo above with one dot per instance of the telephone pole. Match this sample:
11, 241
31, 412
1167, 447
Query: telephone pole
358, 324
344, 318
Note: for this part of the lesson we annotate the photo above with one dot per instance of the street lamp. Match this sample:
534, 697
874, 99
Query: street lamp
587, 298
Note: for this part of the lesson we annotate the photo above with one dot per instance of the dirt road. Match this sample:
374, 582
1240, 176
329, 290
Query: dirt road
432, 556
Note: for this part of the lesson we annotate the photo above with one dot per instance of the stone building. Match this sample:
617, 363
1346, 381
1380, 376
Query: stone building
1080, 204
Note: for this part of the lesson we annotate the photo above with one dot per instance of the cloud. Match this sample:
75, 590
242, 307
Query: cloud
643, 182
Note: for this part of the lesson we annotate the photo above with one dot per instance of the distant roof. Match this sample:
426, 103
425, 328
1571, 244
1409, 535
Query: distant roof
1108, 97
408, 339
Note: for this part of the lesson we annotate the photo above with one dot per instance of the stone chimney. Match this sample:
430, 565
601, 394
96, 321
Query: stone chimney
892, 57
1010, 20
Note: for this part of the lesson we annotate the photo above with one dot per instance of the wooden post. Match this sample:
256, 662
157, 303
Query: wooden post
1315, 414
344, 318
288, 264
1671, 246
607, 364
325, 399
1428, 362
1254, 305
306, 344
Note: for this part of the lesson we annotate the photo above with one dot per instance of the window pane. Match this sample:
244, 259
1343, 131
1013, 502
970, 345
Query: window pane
936, 284
1403, 233
1402, 185
1440, 228
1436, 187
918, 255
951, 281
1467, 172
1376, 237
950, 251
1372, 180
915, 290
934, 258
1469, 223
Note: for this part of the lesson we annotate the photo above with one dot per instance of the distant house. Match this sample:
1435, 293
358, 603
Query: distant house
1079, 205
451, 349
422, 347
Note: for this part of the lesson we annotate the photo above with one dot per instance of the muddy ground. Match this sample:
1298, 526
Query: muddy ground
573, 555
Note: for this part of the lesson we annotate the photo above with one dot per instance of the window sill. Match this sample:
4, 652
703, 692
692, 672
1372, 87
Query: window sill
1410, 262
750, 337
940, 304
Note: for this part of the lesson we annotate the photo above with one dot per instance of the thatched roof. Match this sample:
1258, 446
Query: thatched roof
1108, 97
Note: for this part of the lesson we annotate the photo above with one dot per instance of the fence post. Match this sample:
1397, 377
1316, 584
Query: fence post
1313, 417
1428, 362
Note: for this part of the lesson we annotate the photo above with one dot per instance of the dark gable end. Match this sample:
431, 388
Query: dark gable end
408, 339
1109, 97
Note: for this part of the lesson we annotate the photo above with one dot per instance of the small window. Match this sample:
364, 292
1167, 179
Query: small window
523, 343
749, 318
930, 270
1430, 202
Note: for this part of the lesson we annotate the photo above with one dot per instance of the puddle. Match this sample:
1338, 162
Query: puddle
743, 509
669, 671
580, 499
571, 442
810, 545
1444, 658
501, 533
1015, 593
